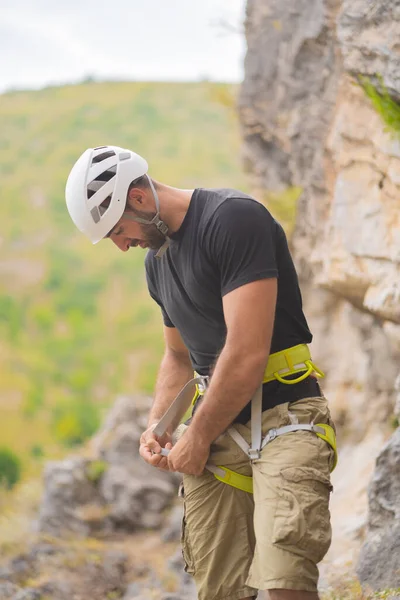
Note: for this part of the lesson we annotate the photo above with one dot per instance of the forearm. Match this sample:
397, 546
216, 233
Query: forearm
236, 378
174, 372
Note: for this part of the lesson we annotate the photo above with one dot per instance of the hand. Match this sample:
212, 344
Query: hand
150, 448
189, 455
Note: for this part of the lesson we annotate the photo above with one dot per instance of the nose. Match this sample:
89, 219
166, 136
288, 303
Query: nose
122, 243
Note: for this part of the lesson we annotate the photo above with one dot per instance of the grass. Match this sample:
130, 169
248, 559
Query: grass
351, 589
386, 106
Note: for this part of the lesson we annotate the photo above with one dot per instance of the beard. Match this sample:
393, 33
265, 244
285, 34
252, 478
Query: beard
151, 235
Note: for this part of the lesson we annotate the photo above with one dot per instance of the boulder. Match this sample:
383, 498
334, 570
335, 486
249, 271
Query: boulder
112, 488
379, 563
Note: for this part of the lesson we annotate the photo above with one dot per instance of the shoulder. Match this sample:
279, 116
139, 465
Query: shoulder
225, 205
239, 205
240, 211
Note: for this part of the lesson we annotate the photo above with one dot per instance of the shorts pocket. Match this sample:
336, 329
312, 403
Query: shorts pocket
302, 518
186, 548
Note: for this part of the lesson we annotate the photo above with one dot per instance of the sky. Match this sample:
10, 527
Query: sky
45, 42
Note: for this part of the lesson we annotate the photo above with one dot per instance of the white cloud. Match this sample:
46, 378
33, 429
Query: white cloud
153, 39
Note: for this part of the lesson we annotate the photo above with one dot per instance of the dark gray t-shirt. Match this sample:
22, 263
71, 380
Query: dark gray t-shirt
227, 239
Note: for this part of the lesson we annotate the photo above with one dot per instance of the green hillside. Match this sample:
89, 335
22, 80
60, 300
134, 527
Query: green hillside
76, 325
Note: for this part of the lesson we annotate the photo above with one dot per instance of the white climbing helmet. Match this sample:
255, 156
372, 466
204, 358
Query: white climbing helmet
97, 188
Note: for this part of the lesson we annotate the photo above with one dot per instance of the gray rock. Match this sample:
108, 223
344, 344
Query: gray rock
43, 549
133, 591
5, 573
379, 563
27, 594
135, 503
291, 72
186, 586
305, 124
397, 404
7, 590
151, 589
19, 569
67, 488
117, 441
115, 568
173, 525
127, 493
57, 590
176, 563
369, 32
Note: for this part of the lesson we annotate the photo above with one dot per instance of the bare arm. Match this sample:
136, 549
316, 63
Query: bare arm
175, 371
249, 315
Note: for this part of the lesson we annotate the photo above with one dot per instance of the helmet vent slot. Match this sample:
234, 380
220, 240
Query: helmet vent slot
102, 156
100, 180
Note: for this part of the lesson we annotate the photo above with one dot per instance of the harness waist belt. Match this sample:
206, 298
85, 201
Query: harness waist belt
290, 361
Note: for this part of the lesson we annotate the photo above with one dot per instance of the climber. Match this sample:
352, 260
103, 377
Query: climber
219, 267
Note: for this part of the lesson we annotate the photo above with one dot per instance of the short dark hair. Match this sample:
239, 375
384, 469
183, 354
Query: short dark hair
141, 182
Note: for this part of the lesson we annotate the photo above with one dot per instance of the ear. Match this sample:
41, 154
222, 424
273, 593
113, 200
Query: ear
136, 198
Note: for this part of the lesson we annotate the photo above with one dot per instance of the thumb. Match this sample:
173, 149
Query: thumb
153, 445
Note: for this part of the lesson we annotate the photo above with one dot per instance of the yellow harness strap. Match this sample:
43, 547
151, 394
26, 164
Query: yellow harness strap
290, 361
245, 483
330, 438
236, 480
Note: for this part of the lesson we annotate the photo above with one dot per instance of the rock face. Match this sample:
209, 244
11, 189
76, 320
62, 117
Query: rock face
379, 564
113, 489
307, 123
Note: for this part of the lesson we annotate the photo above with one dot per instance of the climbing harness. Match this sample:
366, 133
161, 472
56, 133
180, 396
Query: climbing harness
288, 362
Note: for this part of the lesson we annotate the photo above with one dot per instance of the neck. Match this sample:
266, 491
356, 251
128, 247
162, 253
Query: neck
174, 204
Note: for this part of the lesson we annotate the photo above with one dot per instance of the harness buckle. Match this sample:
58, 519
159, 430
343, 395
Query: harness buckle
272, 434
253, 453
203, 384
162, 227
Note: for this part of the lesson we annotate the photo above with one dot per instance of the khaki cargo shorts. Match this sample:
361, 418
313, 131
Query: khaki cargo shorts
235, 543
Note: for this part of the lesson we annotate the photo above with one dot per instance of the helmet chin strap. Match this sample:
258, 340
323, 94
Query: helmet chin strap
161, 226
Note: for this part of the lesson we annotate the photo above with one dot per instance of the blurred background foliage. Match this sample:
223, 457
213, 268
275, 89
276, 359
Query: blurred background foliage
77, 326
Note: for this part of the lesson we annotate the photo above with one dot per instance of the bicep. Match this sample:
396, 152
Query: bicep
249, 313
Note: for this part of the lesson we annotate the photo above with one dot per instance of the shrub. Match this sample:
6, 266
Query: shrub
10, 468
384, 104
73, 424
36, 451
96, 469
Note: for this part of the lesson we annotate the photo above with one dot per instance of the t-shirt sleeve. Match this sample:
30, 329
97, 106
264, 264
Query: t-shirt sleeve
241, 243
153, 293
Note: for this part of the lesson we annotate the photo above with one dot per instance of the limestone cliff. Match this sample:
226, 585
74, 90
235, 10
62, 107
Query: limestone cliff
306, 123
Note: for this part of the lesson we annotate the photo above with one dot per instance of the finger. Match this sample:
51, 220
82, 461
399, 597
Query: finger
159, 461
145, 452
153, 445
155, 460
163, 464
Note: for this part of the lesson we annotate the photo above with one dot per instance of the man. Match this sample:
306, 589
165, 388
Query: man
219, 267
